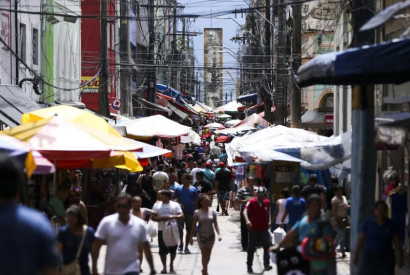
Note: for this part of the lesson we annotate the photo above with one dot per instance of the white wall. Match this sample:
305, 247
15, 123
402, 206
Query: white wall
7, 73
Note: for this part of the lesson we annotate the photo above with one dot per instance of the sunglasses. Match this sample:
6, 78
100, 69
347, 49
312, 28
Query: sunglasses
125, 206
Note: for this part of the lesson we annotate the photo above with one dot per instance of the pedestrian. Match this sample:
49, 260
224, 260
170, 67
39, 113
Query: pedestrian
197, 168
56, 202
330, 194
143, 214
340, 218
223, 179
182, 171
27, 239
207, 221
206, 156
257, 216
280, 209
159, 178
173, 181
146, 201
245, 194
123, 233
294, 208
209, 177
377, 235
312, 225
74, 240
163, 211
314, 188
214, 162
165, 187
147, 184
202, 186
215, 150
187, 197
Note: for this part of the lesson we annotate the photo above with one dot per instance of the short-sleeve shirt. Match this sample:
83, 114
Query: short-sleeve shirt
341, 206
193, 173
258, 213
57, 205
203, 187
122, 243
223, 176
296, 207
379, 237
312, 189
27, 241
245, 193
311, 229
187, 198
209, 175
71, 244
165, 210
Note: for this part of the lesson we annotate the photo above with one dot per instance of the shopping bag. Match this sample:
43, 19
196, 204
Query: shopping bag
151, 230
278, 235
170, 234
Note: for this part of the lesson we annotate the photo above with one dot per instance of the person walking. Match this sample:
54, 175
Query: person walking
56, 202
257, 215
209, 175
173, 181
74, 240
123, 233
202, 186
182, 171
197, 168
27, 239
245, 194
377, 235
280, 209
314, 188
159, 178
206, 156
163, 211
295, 207
207, 221
340, 218
165, 187
223, 179
187, 196
147, 184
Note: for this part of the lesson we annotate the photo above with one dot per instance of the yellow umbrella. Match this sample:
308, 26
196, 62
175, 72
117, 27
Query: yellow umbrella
124, 160
71, 114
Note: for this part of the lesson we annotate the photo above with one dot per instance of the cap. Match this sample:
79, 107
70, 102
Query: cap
208, 165
260, 190
222, 164
313, 177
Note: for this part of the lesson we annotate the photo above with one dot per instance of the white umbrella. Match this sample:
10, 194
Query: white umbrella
232, 122
224, 116
214, 126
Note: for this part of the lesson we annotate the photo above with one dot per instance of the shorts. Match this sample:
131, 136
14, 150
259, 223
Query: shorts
188, 221
163, 249
223, 195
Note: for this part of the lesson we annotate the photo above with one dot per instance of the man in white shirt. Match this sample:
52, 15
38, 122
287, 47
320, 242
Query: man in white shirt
215, 150
163, 211
159, 177
196, 170
123, 234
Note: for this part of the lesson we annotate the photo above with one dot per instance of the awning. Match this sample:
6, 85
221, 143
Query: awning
13, 103
248, 97
75, 104
109, 120
156, 106
386, 63
315, 119
177, 111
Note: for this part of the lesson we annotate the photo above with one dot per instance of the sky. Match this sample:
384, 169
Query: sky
203, 7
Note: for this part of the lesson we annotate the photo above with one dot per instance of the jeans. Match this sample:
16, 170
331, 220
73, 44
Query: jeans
256, 237
340, 239
244, 230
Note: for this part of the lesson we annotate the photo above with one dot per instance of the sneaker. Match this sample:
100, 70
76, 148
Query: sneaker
187, 251
250, 270
180, 248
267, 268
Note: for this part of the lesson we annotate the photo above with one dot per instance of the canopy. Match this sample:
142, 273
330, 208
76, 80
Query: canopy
59, 139
248, 97
386, 63
71, 114
214, 126
13, 148
192, 137
150, 151
234, 130
252, 121
230, 107
222, 139
232, 122
224, 116
157, 125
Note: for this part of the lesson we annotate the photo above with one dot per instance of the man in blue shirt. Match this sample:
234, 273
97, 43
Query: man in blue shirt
187, 196
295, 207
26, 237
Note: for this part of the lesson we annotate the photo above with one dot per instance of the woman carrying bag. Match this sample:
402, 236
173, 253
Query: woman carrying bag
74, 241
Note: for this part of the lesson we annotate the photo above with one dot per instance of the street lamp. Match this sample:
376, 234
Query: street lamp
225, 17
220, 47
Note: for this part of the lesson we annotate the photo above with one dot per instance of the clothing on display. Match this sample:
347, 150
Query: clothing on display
179, 150
159, 143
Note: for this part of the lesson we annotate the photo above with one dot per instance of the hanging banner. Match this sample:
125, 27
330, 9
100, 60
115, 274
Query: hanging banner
92, 87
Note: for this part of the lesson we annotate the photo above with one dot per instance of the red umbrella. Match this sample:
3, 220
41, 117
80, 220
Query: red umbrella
222, 139
214, 126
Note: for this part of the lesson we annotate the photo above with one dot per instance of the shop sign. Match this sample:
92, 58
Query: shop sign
116, 104
329, 119
92, 87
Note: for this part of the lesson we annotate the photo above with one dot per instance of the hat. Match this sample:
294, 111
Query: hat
313, 177
222, 164
260, 190
208, 165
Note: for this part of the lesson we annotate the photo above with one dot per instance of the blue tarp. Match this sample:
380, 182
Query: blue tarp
387, 63
249, 97
169, 91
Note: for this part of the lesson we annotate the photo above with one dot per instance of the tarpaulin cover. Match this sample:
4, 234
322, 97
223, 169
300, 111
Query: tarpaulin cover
232, 122
252, 120
230, 107
192, 137
386, 63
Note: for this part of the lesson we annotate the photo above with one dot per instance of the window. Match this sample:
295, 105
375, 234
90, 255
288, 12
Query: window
35, 46
22, 43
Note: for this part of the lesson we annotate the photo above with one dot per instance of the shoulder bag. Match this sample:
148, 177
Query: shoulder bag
74, 268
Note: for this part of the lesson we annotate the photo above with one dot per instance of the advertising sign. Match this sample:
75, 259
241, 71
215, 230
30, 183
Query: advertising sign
92, 87
329, 119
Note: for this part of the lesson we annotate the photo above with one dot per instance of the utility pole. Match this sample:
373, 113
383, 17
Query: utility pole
267, 98
280, 66
44, 50
124, 57
363, 153
174, 47
17, 28
226, 98
103, 88
296, 97
183, 86
231, 96
152, 75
